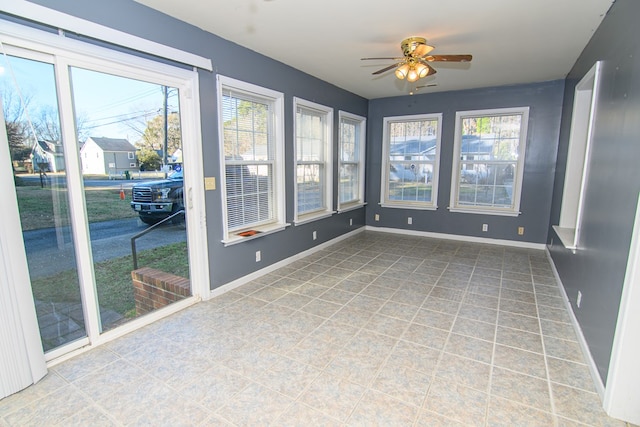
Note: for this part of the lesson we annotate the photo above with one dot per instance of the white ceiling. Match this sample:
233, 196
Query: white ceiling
512, 41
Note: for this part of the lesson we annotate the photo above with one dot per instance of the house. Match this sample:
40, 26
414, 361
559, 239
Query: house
49, 153
108, 156
597, 276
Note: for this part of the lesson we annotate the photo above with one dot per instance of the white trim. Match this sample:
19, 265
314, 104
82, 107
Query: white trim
385, 164
352, 207
593, 369
623, 379
480, 211
409, 206
276, 99
578, 157
460, 238
93, 30
327, 161
362, 124
273, 267
520, 162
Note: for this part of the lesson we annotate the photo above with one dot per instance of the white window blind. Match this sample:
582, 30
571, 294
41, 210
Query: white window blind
351, 160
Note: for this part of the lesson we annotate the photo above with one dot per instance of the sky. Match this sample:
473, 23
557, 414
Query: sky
107, 105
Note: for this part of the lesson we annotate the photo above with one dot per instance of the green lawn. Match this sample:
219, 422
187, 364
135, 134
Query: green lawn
113, 278
40, 206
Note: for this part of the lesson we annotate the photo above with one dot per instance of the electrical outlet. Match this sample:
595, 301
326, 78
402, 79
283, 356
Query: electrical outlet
315, 235
409, 220
258, 256
377, 217
579, 299
350, 221
485, 227
520, 231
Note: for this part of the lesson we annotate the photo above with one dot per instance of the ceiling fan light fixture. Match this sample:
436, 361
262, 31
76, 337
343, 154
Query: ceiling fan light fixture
402, 71
422, 70
412, 75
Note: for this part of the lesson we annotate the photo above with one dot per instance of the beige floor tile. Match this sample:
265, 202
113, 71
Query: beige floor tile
467, 372
520, 339
507, 413
255, 405
521, 361
571, 374
471, 348
457, 402
380, 409
521, 388
582, 406
333, 396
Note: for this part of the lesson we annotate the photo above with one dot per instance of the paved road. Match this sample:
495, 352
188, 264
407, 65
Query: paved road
50, 252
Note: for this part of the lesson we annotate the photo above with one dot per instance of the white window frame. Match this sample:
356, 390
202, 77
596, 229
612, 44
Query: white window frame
361, 124
384, 190
276, 101
326, 163
518, 174
130, 155
578, 158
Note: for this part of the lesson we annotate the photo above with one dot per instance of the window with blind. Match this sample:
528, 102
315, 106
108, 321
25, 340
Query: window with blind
313, 130
411, 157
488, 161
351, 161
252, 159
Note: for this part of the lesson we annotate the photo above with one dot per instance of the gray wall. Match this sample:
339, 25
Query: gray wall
597, 269
232, 60
545, 103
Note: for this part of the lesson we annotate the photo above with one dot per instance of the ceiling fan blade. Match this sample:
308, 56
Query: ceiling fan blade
368, 59
422, 50
387, 68
448, 58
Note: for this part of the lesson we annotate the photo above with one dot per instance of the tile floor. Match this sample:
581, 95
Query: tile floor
379, 329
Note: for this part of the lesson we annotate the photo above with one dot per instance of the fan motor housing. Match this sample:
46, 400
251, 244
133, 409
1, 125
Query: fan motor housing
410, 44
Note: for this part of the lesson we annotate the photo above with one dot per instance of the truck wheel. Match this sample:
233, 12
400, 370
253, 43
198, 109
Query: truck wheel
149, 220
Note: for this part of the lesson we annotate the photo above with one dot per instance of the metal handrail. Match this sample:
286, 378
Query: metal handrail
145, 231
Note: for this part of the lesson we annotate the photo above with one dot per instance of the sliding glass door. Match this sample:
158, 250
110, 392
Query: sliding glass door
83, 134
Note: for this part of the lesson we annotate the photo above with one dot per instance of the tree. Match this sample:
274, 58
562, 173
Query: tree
153, 136
149, 160
15, 123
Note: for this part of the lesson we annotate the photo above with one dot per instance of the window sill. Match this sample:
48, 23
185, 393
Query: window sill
567, 236
408, 206
264, 230
312, 217
350, 207
484, 212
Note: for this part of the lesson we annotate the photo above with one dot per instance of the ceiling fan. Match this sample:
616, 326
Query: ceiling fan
414, 64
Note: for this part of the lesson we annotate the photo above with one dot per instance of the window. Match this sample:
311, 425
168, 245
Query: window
488, 161
411, 147
251, 131
314, 178
351, 161
131, 156
575, 178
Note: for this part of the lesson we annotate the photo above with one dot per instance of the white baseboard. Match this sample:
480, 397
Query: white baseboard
512, 243
593, 369
251, 276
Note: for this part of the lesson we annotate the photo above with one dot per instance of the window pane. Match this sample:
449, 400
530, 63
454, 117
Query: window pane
249, 194
413, 151
248, 154
309, 186
348, 185
312, 157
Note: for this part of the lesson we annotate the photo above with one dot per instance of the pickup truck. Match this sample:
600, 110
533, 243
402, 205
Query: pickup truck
156, 200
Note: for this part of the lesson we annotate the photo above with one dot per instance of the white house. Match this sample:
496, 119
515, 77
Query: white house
108, 156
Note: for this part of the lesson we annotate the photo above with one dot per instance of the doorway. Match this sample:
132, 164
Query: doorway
83, 130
